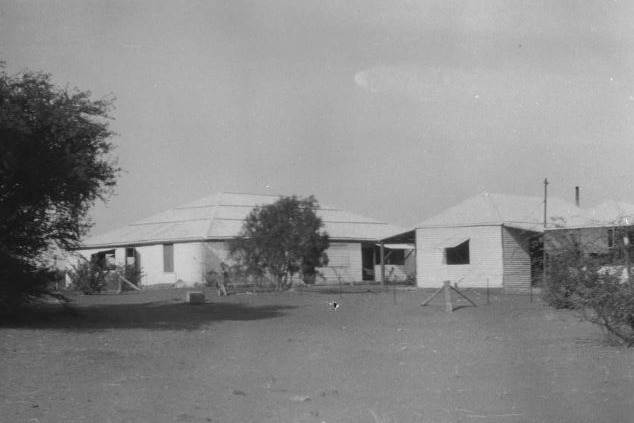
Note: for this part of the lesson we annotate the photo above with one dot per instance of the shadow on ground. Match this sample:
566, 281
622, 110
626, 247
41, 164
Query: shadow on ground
153, 316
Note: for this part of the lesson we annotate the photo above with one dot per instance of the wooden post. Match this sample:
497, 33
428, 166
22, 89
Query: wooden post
530, 288
374, 262
544, 256
382, 264
455, 288
488, 300
628, 271
447, 288
394, 292
432, 296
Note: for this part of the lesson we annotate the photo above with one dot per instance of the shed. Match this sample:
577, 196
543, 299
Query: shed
488, 240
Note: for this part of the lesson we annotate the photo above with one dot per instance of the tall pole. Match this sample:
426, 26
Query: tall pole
628, 270
545, 225
545, 202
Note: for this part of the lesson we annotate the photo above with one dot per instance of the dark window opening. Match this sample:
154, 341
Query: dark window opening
458, 254
168, 258
130, 256
611, 238
104, 259
367, 262
391, 256
395, 257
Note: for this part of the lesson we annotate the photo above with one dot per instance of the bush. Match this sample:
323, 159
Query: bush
609, 303
132, 273
89, 278
597, 293
92, 278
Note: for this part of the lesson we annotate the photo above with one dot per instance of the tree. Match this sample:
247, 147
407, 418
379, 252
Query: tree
590, 283
282, 239
54, 165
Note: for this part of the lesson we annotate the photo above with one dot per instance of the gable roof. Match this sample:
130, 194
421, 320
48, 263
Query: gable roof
220, 217
522, 212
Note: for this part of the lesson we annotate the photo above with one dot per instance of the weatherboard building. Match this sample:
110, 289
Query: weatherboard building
184, 243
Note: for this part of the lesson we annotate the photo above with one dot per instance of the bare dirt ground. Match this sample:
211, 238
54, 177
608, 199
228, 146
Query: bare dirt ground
148, 357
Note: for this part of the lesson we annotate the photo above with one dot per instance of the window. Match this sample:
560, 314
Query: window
611, 238
130, 256
104, 259
458, 254
395, 257
168, 258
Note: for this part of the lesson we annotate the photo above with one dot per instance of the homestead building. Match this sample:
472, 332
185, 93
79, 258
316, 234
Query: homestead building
184, 243
489, 240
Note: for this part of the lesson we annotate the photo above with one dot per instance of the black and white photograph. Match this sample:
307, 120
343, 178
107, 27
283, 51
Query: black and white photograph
302, 211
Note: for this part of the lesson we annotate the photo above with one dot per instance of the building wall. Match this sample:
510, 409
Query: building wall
517, 260
188, 263
215, 253
192, 260
344, 261
485, 250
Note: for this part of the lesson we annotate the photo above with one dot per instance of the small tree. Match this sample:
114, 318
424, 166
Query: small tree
54, 165
598, 292
282, 239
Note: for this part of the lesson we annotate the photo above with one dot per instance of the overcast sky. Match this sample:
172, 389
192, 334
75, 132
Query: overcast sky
391, 109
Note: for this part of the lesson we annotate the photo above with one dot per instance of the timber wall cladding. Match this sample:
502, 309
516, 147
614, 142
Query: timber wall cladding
344, 261
485, 257
517, 260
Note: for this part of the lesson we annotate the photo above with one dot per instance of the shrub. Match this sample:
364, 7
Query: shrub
599, 294
89, 278
132, 273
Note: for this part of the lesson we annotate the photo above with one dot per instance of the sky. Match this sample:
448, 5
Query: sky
395, 110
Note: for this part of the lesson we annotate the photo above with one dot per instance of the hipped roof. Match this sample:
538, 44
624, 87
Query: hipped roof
221, 216
516, 211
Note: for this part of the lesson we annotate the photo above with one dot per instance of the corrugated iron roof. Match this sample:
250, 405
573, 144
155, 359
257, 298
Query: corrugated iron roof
523, 212
221, 217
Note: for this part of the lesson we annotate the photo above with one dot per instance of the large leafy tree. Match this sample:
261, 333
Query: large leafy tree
282, 239
54, 165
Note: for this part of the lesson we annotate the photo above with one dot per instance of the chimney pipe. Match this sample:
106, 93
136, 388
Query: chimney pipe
577, 196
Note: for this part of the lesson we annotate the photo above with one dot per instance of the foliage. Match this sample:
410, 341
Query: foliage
132, 273
54, 165
93, 278
281, 239
89, 278
34, 283
599, 293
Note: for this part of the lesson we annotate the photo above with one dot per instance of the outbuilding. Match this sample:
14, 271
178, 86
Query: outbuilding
492, 240
605, 231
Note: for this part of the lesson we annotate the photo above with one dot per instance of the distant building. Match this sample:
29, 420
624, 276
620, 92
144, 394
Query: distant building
599, 232
489, 240
183, 243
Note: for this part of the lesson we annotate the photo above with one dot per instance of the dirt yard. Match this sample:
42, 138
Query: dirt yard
148, 357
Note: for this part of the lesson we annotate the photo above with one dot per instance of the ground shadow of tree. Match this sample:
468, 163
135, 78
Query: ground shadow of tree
151, 316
